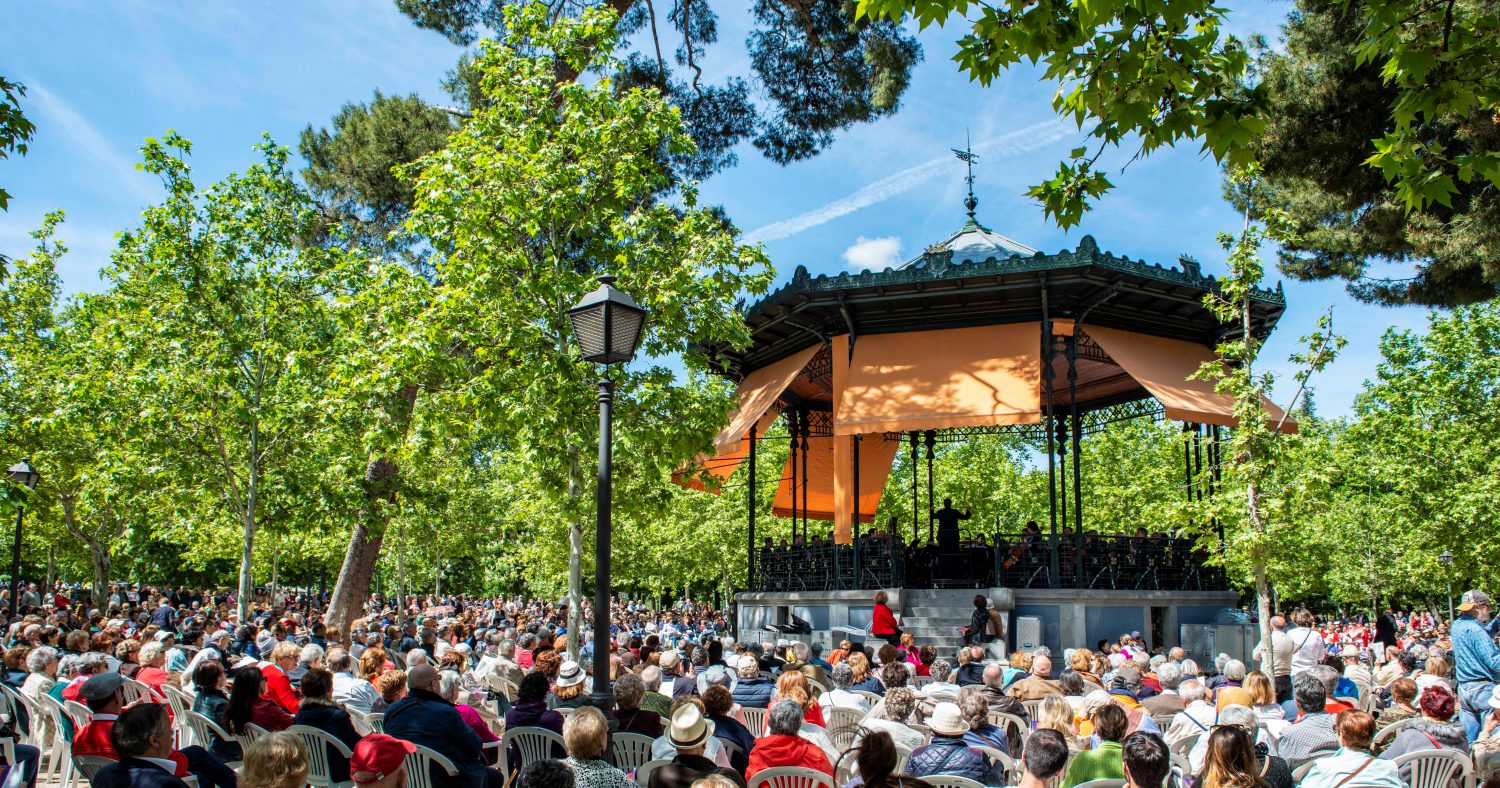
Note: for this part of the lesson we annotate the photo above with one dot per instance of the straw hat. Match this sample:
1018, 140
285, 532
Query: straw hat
689, 729
947, 720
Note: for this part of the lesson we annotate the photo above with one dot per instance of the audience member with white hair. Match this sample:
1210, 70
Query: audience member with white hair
1197, 716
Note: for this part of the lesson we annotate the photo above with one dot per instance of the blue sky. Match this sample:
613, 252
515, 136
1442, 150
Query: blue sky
104, 76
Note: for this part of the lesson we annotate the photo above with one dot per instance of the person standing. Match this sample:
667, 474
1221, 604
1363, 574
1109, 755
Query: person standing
1279, 667
947, 519
1307, 643
1476, 666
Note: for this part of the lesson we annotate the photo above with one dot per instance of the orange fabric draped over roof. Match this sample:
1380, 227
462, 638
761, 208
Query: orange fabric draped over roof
957, 377
757, 393
1163, 367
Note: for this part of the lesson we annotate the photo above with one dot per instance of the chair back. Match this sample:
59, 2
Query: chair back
816, 687
951, 781
133, 691
1436, 768
1101, 783
1006, 763
533, 743
12, 701
1301, 771
77, 712
643, 772
252, 733
1016, 729
869, 696
419, 766
366, 722
319, 743
924, 730
754, 720
204, 729
843, 726
1384, 735
902, 756
630, 750
921, 681
944, 697
1033, 707
1185, 745
791, 777
89, 765
502, 685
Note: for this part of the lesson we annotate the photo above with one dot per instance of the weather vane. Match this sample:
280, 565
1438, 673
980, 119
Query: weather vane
968, 157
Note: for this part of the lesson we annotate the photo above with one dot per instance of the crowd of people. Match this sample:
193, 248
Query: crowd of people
1336, 703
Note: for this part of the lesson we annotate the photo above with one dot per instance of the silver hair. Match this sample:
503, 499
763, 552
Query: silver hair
508, 648
786, 718
1190, 690
842, 675
312, 652
1042, 651
448, 683
652, 677
1190, 669
68, 665
1234, 670
39, 658
416, 657
90, 660
1169, 674
1220, 661
940, 669
799, 650
1241, 717
1329, 676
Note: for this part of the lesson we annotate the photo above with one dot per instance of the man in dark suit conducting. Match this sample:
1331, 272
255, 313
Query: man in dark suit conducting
947, 519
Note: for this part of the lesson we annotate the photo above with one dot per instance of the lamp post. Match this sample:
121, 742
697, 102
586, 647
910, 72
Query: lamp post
608, 325
21, 473
1447, 559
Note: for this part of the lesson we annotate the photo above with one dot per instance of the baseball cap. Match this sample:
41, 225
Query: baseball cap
376, 756
100, 686
1473, 599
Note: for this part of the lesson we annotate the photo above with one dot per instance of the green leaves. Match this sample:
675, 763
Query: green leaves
16, 130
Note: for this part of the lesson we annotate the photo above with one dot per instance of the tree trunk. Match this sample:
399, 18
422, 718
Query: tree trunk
99, 557
247, 570
575, 564
353, 586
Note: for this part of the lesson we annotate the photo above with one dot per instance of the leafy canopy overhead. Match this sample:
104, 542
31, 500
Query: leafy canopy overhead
1377, 123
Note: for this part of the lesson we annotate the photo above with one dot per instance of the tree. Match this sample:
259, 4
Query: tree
222, 307
545, 187
1325, 101
1409, 84
16, 130
1253, 537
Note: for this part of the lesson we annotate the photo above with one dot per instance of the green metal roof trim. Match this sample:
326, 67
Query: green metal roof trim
937, 265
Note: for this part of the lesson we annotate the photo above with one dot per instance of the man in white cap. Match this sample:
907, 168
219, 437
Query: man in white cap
1476, 661
690, 733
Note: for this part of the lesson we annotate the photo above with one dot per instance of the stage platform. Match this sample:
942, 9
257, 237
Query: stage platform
1057, 618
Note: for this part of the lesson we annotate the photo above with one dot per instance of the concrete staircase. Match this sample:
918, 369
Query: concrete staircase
932, 616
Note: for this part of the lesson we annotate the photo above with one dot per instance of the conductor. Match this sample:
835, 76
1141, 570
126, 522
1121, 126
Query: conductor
947, 532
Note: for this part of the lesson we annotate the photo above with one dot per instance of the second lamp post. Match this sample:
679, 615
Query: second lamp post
608, 326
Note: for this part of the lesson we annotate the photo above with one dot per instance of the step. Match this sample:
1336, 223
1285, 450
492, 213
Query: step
933, 610
908, 622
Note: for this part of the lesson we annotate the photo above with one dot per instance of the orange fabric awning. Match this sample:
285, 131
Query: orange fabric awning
757, 393
722, 465
1163, 367
923, 380
875, 457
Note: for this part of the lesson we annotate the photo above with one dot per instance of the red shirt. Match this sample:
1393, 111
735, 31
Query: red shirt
780, 749
884, 623
279, 689
93, 739
153, 678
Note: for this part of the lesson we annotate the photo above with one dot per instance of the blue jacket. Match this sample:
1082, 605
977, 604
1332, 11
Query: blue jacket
427, 719
754, 692
1475, 657
135, 773
952, 756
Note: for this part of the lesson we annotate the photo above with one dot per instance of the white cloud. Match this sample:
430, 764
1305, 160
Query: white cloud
873, 253
1033, 137
88, 141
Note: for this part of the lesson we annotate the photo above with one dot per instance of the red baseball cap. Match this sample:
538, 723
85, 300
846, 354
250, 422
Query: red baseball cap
377, 756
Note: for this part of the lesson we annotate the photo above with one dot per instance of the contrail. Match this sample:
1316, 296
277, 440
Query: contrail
1025, 140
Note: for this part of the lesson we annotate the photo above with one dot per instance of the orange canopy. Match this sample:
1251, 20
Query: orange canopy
876, 454
757, 393
722, 465
1163, 366
923, 380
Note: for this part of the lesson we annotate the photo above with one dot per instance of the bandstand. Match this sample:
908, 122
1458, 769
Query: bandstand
977, 335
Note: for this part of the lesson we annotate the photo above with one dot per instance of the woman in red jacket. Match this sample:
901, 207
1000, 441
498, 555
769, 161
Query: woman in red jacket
883, 625
783, 747
247, 704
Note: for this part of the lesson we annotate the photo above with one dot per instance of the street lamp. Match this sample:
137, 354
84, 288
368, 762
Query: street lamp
607, 324
1447, 559
20, 473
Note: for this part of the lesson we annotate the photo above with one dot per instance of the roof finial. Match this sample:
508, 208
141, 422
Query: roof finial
968, 157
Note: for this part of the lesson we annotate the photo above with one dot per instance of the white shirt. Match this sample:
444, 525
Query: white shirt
662, 749
357, 694
945, 687
1282, 647
843, 699
165, 764
1309, 651
1195, 720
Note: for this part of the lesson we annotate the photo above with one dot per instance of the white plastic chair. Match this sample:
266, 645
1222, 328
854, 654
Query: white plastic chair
534, 744
921, 681
367, 723
791, 777
419, 767
1101, 783
1436, 768
1007, 764
320, 766
951, 781
205, 729
1016, 729
754, 720
133, 691
643, 772
1384, 735
89, 766
630, 750
1033, 708
180, 703
869, 696
60, 761
843, 726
